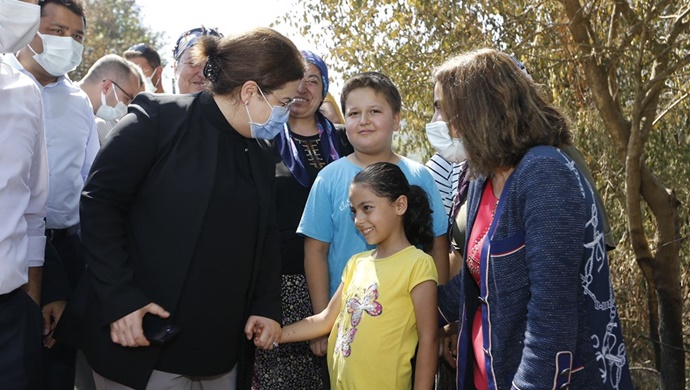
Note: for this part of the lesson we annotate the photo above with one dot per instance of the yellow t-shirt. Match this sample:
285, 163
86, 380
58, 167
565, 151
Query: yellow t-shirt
375, 334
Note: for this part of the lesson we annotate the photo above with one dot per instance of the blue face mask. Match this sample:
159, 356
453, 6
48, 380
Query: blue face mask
273, 125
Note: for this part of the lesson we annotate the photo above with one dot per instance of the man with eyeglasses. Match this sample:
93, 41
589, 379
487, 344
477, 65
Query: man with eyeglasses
149, 61
189, 78
72, 144
111, 84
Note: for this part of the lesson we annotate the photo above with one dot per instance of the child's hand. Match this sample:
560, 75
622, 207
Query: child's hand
319, 347
258, 329
265, 331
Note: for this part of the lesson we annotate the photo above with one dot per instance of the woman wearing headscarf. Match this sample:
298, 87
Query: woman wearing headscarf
534, 298
306, 144
188, 73
179, 226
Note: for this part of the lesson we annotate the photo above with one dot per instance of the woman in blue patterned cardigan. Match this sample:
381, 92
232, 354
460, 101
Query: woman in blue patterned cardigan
534, 299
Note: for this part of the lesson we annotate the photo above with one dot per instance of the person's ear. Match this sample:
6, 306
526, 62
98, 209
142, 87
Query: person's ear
106, 85
401, 205
249, 88
396, 121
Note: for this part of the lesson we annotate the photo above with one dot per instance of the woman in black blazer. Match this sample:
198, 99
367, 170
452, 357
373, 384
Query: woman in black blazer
178, 223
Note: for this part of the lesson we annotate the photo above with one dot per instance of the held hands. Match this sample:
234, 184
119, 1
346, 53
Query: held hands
128, 332
265, 331
319, 347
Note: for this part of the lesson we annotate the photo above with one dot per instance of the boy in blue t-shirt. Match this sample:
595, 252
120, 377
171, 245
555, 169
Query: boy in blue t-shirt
372, 104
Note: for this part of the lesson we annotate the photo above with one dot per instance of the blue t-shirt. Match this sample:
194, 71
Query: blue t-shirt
327, 215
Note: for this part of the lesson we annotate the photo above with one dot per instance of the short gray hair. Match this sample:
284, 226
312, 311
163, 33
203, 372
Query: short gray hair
113, 67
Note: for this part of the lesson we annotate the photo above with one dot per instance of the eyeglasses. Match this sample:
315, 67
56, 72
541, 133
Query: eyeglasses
189, 38
128, 95
285, 105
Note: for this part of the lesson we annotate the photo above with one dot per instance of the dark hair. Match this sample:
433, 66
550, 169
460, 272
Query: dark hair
377, 81
262, 55
497, 110
143, 50
388, 181
76, 6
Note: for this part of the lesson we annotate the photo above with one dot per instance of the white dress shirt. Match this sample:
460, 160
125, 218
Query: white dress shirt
72, 144
104, 128
23, 177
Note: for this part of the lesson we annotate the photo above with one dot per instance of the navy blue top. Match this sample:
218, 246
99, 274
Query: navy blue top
549, 318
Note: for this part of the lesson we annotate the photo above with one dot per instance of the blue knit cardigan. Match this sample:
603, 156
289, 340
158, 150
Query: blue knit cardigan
549, 316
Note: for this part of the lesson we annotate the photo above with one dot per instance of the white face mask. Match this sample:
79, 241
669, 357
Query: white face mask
451, 149
148, 82
18, 24
108, 113
60, 54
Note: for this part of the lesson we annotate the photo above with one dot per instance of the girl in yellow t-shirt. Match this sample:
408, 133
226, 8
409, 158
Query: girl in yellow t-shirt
386, 306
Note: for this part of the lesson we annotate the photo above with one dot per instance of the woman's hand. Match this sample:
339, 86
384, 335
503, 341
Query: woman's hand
265, 331
449, 344
51, 316
128, 332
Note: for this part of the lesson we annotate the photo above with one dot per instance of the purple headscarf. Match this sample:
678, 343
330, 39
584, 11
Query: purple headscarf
314, 58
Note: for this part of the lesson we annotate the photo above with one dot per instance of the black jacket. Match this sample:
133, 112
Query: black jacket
141, 213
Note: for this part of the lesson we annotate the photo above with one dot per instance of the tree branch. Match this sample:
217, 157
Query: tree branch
597, 76
669, 108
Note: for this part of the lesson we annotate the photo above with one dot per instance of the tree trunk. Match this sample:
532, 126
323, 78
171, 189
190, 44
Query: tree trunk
661, 269
647, 269
666, 267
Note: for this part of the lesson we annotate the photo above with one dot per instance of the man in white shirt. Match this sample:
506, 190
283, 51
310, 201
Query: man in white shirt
148, 60
111, 83
72, 144
23, 194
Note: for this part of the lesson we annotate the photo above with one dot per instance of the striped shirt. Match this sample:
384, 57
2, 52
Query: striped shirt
446, 175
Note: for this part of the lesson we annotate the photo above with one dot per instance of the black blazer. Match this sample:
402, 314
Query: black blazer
143, 205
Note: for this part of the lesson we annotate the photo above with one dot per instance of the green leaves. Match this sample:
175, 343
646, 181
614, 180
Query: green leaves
638, 50
112, 26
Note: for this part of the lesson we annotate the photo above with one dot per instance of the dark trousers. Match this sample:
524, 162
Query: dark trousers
67, 254
21, 342
64, 266
59, 366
